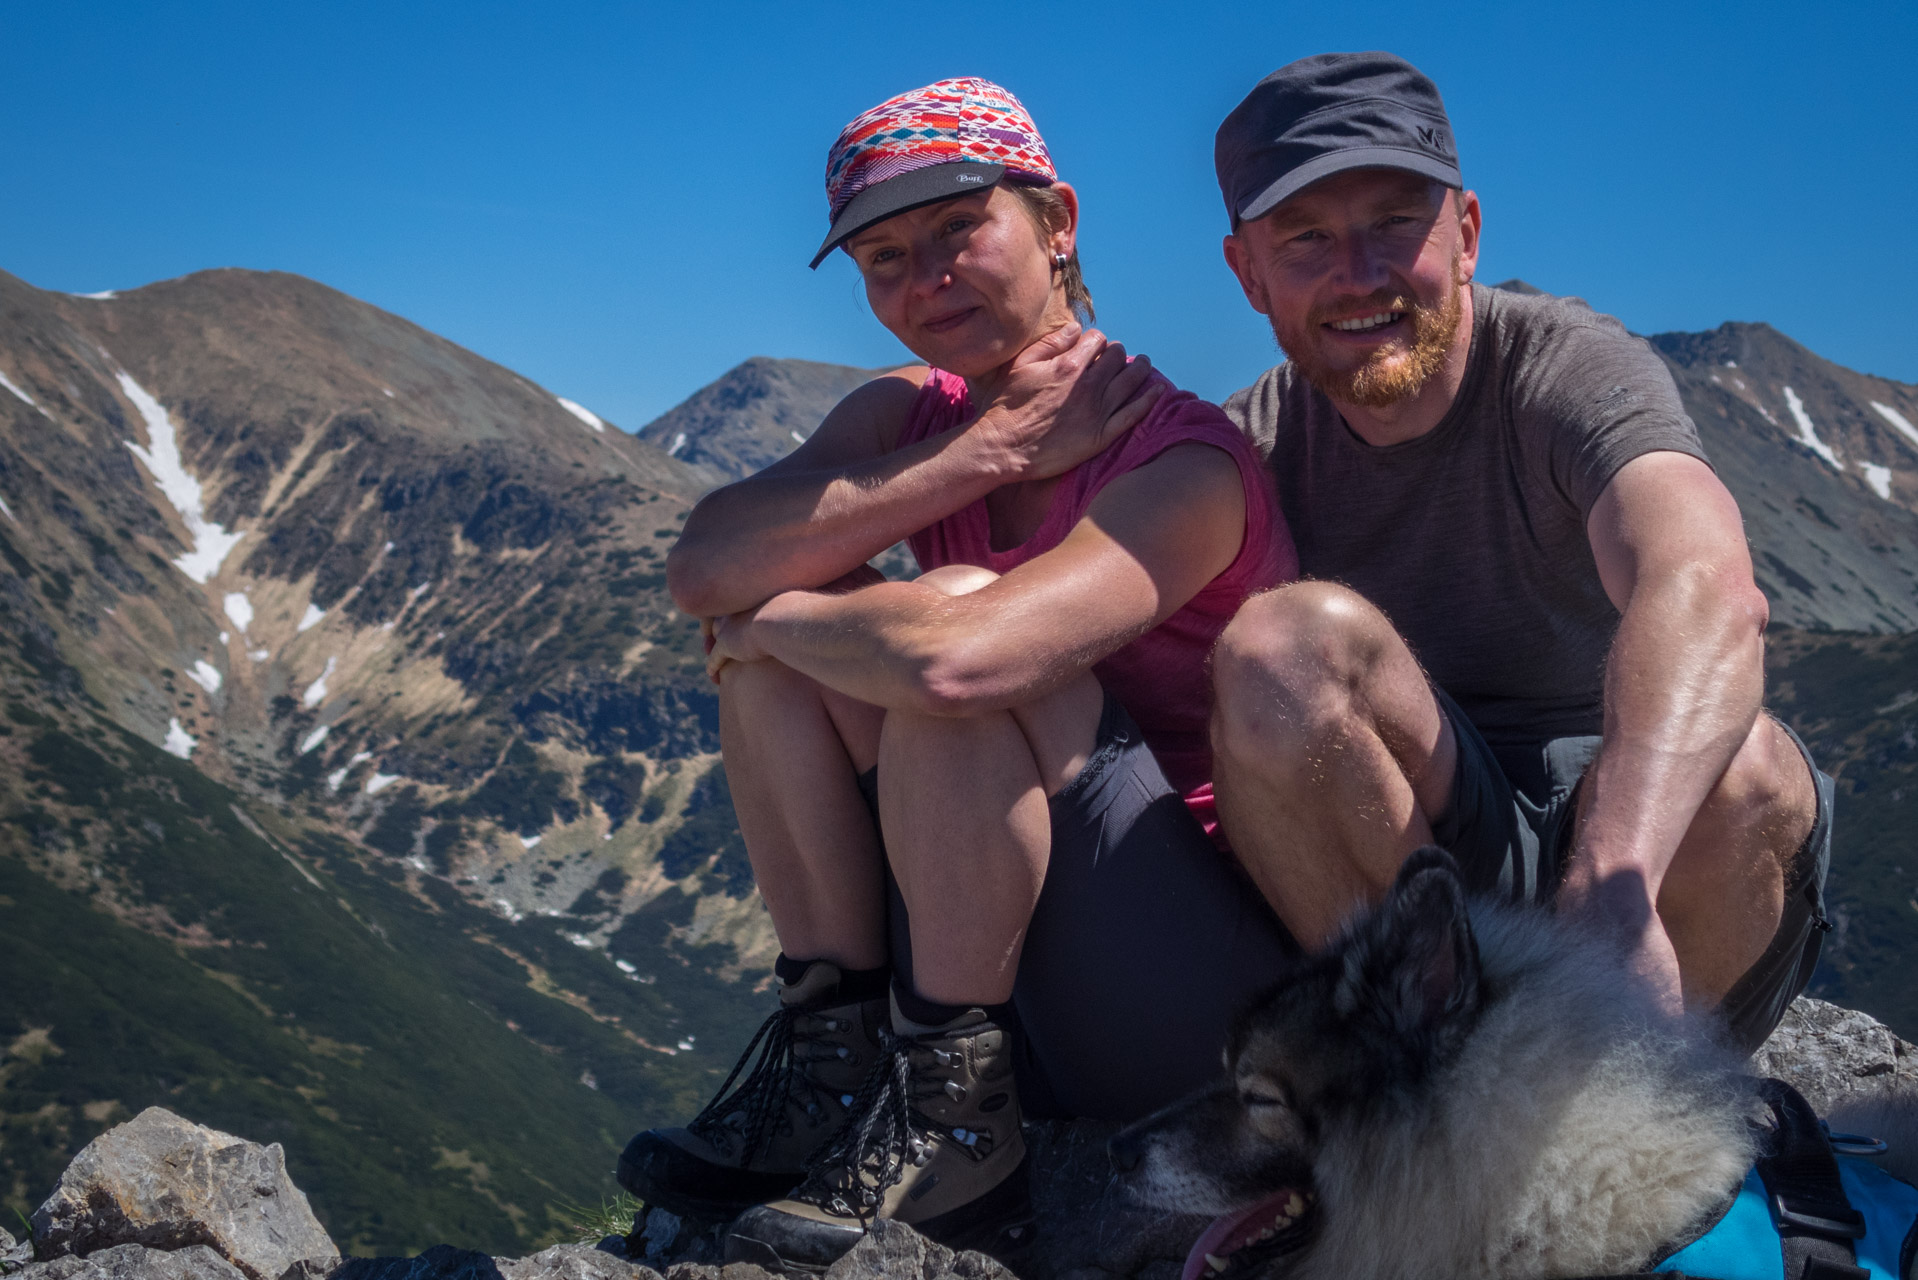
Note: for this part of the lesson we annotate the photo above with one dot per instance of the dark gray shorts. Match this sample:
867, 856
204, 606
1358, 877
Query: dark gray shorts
1511, 825
1145, 941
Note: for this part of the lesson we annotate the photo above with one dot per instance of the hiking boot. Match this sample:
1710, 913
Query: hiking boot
751, 1142
935, 1143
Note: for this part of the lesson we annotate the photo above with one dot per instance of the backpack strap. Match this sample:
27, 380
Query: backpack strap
1817, 1225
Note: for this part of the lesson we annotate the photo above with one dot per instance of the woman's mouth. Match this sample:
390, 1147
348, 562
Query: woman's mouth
949, 321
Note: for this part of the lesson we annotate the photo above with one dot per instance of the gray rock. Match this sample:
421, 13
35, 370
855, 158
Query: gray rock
169, 1184
575, 1262
1830, 1053
136, 1262
14, 1254
711, 1271
894, 1251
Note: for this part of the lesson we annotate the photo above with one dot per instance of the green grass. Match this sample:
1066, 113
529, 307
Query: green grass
423, 1089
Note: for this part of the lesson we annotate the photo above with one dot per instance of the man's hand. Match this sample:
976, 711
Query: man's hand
1621, 905
1065, 398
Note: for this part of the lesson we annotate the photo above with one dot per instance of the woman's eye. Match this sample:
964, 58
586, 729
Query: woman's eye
958, 224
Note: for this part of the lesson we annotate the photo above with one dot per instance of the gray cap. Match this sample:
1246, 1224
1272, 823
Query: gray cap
1323, 115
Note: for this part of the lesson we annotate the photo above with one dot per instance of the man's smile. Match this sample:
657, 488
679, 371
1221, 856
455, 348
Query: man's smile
1366, 324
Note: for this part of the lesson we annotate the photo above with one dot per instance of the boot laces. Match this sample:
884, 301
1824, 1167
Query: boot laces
850, 1173
777, 1077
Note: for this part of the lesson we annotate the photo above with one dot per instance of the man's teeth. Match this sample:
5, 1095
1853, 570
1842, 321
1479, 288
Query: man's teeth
1366, 322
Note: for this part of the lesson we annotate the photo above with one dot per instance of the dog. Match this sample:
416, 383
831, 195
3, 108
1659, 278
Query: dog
1455, 1088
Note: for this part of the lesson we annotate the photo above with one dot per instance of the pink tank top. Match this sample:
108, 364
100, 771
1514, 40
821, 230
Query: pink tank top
1160, 678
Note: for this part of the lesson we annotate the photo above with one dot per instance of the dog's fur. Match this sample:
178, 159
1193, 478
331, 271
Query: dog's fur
1470, 1089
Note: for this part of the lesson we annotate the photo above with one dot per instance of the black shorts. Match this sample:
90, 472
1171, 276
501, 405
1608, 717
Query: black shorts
1145, 941
1511, 825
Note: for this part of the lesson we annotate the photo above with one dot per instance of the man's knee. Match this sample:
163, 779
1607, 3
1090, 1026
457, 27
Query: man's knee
1293, 665
1756, 817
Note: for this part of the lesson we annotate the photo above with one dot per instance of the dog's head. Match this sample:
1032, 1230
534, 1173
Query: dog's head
1356, 1029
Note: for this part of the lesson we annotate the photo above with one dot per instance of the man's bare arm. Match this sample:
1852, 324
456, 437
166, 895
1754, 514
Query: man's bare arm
1152, 539
1683, 687
846, 494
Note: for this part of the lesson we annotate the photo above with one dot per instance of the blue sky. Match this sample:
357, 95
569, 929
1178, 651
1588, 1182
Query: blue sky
619, 200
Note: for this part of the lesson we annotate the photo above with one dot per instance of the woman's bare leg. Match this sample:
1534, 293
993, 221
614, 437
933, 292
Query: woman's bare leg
968, 831
793, 752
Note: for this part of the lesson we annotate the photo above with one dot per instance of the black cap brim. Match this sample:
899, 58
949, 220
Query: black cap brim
895, 195
1325, 166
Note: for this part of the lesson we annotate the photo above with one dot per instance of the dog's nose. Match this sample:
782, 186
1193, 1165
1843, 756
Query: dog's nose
1125, 1152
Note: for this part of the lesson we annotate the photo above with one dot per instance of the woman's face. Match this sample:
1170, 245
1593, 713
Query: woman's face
966, 283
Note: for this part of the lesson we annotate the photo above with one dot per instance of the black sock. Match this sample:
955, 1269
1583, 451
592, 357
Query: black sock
931, 1013
854, 984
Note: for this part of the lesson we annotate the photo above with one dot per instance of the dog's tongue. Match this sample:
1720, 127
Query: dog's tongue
1231, 1232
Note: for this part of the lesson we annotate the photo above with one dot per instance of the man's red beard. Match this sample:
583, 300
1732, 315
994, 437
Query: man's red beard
1395, 371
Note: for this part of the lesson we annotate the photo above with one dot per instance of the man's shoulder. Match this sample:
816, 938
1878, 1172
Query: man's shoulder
1527, 322
1278, 395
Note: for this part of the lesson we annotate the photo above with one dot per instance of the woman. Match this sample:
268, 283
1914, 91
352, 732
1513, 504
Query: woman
969, 744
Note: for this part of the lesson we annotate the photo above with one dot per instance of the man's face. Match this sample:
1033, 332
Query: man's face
1361, 275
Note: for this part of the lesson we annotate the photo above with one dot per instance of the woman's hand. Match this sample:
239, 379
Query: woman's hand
1065, 398
730, 638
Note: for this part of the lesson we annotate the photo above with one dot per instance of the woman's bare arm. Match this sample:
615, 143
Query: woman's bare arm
1149, 543
846, 494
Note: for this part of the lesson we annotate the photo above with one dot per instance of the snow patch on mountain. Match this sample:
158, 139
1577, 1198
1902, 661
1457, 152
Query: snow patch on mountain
380, 782
8, 383
1879, 478
178, 741
1807, 433
206, 675
316, 692
581, 412
315, 738
311, 618
211, 543
240, 609
1898, 420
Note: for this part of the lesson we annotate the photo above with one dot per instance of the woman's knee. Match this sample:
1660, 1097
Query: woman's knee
957, 579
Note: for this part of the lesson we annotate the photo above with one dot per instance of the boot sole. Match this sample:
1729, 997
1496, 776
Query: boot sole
757, 1188
1006, 1231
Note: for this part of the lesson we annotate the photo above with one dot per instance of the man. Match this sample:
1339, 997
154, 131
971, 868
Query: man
1529, 630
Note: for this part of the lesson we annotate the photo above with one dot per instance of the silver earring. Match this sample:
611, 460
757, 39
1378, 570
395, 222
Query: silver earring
1059, 260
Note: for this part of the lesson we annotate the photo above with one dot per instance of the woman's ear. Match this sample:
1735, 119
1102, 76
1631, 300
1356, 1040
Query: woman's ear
1065, 239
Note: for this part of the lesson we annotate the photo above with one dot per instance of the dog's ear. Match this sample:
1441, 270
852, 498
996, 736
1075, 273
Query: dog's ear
1414, 959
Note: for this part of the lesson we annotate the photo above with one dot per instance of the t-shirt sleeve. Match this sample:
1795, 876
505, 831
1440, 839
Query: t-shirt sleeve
1595, 397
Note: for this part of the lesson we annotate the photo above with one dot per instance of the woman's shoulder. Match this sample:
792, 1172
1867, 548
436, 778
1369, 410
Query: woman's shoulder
1182, 415
869, 419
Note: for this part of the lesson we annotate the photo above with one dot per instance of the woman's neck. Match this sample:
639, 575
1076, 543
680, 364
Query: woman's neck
983, 388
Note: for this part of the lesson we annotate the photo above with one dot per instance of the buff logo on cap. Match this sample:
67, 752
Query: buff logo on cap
966, 119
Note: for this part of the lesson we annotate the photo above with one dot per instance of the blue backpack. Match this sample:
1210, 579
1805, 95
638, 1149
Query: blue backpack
1805, 1213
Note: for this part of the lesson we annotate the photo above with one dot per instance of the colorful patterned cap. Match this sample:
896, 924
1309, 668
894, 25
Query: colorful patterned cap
930, 144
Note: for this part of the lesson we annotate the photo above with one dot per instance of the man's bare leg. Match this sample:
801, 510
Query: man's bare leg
793, 752
1724, 893
1331, 757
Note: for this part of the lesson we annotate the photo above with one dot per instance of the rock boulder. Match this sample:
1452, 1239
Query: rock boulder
168, 1184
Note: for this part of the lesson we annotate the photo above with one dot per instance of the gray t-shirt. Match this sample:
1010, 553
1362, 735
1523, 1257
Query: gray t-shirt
1472, 537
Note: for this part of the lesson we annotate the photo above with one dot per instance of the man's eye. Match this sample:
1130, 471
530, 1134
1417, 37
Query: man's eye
1261, 1100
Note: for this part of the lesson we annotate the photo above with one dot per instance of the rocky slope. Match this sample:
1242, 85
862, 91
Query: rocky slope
348, 720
